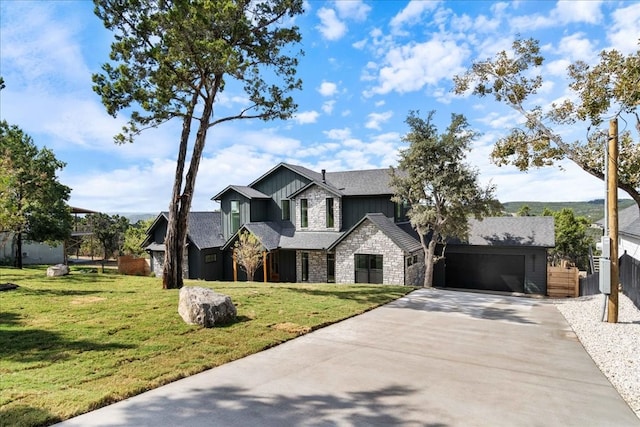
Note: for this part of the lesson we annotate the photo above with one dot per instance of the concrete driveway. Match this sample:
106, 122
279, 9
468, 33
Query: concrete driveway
432, 358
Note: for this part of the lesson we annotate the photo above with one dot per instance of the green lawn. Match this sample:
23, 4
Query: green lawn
75, 343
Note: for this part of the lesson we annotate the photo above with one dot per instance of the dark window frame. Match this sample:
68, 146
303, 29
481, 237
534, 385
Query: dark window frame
330, 213
234, 216
304, 213
286, 209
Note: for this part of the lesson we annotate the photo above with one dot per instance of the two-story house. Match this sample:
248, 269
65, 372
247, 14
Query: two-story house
323, 227
342, 227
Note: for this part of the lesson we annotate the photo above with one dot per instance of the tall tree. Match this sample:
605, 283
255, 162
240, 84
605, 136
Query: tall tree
109, 231
608, 89
571, 237
248, 253
32, 200
441, 190
173, 58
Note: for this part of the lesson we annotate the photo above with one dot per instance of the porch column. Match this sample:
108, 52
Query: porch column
264, 265
235, 267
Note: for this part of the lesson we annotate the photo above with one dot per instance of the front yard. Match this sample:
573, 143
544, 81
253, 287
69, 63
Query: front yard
72, 344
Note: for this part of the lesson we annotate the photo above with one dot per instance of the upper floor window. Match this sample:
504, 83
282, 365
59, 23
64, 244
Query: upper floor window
401, 210
286, 210
235, 216
329, 212
304, 213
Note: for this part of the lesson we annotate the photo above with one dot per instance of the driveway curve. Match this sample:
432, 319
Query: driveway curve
431, 358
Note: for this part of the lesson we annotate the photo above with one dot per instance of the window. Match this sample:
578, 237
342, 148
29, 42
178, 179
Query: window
305, 266
329, 212
209, 258
331, 268
409, 261
235, 216
304, 213
400, 213
368, 268
286, 210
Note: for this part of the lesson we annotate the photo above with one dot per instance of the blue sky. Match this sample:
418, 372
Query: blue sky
366, 65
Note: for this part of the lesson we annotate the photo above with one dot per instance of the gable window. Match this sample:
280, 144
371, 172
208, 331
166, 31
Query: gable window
286, 210
329, 212
304, 213
305, 266
235, 216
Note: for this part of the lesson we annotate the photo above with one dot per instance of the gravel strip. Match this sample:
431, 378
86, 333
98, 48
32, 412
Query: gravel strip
614, 347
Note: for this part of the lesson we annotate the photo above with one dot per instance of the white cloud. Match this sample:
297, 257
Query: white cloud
565, 12
306, 117
330, 26
577, 11
410, 67
376, 119
412, 13
625, 29
327, 107
577, 47
353, 9
328, 89
338, 134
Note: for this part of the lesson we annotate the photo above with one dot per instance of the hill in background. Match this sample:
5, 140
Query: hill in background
593, 210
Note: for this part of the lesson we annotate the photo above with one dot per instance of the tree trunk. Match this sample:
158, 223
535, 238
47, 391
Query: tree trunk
429, 253
180, 206
18, 260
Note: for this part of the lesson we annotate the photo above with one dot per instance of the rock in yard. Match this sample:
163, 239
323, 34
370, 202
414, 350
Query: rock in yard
57, 270
205, 307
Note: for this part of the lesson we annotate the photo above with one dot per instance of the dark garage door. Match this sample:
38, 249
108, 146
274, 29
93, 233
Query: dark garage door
485, 271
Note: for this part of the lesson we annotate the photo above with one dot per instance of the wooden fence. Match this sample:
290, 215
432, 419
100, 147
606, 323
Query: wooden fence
562, 282
133, 266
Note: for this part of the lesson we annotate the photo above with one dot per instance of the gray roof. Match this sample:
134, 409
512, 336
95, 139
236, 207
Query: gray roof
629, 221
401, 238
204, 230
513, 231
248, 192
361, 182
267, 232
309, 240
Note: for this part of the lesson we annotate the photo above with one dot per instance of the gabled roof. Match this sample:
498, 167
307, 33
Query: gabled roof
513, 231
248, 192
273, 236
401, 238
628, 221
361, 182
204, 230
301, 170
309, 240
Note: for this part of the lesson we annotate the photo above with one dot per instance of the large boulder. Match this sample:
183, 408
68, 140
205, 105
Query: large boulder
205, 307
57, 270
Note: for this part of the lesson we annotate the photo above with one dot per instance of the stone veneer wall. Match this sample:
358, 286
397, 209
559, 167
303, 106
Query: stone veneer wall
158, 264
368, 239
317, 210
415, 272
317, 266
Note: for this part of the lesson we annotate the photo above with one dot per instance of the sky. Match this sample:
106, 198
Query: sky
367, 64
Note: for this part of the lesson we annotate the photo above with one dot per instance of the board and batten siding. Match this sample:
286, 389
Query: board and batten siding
354, 208
279, 185
225, 209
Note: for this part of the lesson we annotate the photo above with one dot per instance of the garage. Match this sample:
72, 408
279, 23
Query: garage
507, 254
485, 272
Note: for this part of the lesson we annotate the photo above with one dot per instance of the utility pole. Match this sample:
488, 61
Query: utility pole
612, 202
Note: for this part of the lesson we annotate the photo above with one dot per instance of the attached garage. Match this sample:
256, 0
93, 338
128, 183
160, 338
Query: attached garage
507, 254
